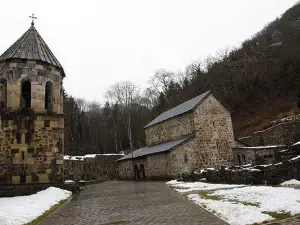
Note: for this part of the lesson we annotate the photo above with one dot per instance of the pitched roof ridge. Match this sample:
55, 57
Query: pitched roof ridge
180, 109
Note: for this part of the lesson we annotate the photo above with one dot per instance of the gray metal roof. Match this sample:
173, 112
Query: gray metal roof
166, 146
31, 46
180, 109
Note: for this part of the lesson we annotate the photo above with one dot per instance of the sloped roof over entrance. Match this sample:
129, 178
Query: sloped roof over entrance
166, 146
31, 46
180, 109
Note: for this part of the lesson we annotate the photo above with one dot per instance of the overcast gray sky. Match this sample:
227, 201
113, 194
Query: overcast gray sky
100, 42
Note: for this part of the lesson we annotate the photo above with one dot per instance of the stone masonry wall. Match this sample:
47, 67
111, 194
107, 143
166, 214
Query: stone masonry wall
170, 129
284, 133
214, 136
171, 164
16, 71
156, 166
183, 159
31, 149
101, 167
246, 155
272, 174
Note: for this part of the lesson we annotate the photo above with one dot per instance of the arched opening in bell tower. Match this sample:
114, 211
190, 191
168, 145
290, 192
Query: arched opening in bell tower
26, 94
3, 93
48, 96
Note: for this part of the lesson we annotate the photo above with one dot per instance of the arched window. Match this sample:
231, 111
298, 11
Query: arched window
239, 159
3, 93
26, 94
48, 96
244, 158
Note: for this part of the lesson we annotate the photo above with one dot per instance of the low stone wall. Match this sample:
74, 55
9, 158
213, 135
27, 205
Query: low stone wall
284, 133
248, 155
96, 167
272, 174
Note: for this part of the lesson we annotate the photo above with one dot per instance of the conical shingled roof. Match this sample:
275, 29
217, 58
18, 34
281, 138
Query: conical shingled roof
31, 46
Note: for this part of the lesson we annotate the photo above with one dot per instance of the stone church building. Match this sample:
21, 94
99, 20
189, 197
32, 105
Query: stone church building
193, 135
31, 112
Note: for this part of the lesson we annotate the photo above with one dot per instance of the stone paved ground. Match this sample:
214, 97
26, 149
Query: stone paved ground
126, 202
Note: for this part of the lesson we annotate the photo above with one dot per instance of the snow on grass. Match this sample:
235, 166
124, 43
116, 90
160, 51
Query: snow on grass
248, 205
198, 186
290, 182
231, 212
23, 209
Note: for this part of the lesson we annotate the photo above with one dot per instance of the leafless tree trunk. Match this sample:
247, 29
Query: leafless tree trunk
126, 94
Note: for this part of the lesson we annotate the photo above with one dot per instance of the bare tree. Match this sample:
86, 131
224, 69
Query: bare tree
126, 94
161, 80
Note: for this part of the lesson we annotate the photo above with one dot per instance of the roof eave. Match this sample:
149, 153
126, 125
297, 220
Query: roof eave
187, 139
37, 60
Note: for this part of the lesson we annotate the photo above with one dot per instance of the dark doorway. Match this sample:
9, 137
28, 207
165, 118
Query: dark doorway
34, 178
48, 96
26, 94
23, 178
3, 93
136, 172
142, 171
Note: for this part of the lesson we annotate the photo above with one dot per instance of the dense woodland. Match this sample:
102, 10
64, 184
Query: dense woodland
259, 81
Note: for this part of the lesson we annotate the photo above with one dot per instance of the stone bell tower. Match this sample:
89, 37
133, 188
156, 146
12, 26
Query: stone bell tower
31, 112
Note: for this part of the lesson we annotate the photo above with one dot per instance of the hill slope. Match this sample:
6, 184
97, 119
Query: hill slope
258, 81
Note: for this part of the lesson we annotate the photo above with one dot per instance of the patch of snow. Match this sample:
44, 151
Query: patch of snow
230, 207
263, 147
276, 44
210, 168
297, 143
276, 164
285, 150
69, 182
290, 182
251, 169
265, 165
183, 187
295, 158
80, 158
234, 214
244, 137
23, 209
173, 182
246, 165
200, 172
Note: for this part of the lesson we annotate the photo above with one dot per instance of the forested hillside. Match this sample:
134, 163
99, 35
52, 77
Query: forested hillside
259, 82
